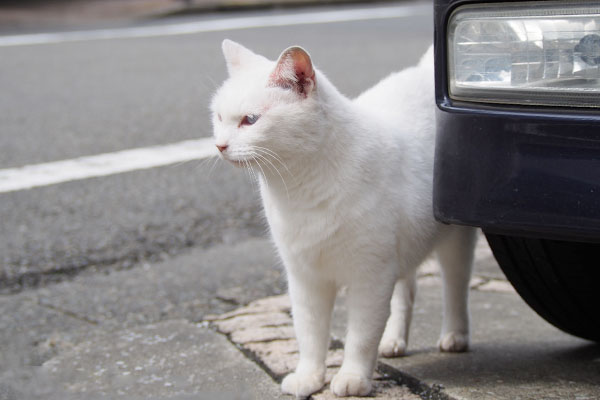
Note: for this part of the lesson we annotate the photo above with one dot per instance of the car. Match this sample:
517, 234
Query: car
518, 145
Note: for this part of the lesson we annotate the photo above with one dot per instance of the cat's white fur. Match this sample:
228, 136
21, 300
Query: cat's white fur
347, 191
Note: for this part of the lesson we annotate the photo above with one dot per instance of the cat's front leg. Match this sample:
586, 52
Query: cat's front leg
368, 310
312, 304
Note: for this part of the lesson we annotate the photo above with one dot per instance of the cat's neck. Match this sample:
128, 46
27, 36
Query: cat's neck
310, 178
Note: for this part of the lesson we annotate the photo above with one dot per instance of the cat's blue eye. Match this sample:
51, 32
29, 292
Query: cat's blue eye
250, 119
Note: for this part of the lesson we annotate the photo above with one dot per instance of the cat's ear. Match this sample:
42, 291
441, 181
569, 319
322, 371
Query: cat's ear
294, 71
236, 56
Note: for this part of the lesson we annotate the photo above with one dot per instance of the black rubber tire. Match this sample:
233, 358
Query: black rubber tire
559, 280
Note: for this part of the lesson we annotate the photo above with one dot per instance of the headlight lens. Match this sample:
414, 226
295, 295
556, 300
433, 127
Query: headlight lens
544, 53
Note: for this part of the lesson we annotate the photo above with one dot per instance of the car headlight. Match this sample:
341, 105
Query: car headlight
543, 53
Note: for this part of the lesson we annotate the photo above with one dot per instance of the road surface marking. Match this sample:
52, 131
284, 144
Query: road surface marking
31, 176
187, 28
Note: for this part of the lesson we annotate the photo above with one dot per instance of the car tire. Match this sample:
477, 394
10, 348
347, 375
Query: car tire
559, 280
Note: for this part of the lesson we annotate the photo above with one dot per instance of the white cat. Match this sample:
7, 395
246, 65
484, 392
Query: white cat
347, 191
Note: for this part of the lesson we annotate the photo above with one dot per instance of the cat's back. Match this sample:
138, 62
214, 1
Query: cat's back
401, 110
407, 94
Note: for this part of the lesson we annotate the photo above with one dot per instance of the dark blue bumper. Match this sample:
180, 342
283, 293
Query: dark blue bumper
514, 170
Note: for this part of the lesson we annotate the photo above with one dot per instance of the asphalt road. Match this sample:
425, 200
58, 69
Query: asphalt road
65, 100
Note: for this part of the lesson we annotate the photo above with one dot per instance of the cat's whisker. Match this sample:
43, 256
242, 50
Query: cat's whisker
258, 158
268, 151
213, 165
275, 156
291, 178
203, 163
179, 163
255, 174
262, 157
261, 169
270, 154
255, 177
249, 170
215, 85
246, 163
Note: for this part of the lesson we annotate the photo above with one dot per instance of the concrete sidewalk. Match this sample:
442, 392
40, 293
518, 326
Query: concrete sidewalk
199, 327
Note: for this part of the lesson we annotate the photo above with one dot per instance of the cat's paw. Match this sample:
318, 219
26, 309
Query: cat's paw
454, 342
392, 347
349, 384
302, 385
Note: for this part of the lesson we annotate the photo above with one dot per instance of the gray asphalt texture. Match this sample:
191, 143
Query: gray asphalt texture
67, 100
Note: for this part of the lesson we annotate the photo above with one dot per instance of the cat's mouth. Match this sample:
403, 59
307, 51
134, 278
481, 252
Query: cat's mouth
242, 163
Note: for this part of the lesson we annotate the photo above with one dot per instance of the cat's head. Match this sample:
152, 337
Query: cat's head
266, 109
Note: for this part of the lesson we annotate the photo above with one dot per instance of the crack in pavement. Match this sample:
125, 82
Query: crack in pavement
68, 313
426, 392
35, 267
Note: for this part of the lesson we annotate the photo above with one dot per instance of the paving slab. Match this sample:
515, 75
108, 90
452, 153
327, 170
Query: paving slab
165, 360
39, 325
30, 333
514, 353
171, 359
187, 286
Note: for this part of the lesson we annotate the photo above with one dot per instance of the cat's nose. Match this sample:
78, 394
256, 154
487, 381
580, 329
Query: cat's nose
222, 148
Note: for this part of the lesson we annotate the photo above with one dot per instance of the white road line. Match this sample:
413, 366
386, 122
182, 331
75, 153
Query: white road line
323, 17
32, 176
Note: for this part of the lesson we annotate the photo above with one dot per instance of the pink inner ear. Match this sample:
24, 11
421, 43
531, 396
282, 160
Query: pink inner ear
294, 71
302, 66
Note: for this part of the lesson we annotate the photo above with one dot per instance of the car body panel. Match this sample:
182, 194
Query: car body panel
525, 170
